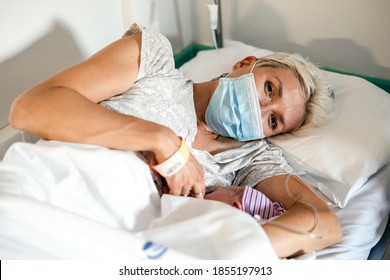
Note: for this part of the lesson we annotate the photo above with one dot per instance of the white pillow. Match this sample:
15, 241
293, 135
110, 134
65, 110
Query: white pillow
339, 157
213, 63
351, 147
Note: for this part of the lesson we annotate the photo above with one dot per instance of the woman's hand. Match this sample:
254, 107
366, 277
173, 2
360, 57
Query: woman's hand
170, 152
188, 181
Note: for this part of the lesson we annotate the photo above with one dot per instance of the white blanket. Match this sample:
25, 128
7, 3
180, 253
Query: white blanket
72, 201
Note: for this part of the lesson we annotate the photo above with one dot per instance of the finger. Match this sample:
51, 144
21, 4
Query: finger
197, 194
174, 190
186, 191
180, 191
199, 189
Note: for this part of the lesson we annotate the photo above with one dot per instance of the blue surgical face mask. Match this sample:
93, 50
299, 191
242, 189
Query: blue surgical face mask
234, 109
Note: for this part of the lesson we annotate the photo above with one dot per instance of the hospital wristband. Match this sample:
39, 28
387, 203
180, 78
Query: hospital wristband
175, 162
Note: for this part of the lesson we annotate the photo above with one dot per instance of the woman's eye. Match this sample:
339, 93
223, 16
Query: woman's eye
269, 89
273, 122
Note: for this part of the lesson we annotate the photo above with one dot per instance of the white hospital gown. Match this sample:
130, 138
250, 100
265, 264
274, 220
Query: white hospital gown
162, 94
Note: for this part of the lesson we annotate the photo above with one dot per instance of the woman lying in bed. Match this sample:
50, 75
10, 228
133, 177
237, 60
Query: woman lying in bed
129, 96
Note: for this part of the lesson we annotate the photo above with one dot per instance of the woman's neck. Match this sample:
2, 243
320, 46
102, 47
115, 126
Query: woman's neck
202, 96
208, 141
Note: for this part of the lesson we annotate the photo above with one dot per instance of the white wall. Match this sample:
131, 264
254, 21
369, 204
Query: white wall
347, 35
173, 18
40, 37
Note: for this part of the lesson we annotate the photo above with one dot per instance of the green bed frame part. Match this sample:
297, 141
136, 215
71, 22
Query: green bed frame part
191, 51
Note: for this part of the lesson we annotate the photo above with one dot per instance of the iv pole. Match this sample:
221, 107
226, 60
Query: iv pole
218, 31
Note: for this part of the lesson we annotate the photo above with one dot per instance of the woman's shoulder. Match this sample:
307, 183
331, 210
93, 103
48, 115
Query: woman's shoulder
134, 29
150, 33
156, 52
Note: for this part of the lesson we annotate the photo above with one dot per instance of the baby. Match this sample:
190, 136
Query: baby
246, 199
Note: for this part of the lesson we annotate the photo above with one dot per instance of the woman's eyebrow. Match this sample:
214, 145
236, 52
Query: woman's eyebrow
280, 87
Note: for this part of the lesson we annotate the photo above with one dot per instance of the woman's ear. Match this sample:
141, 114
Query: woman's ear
246, 62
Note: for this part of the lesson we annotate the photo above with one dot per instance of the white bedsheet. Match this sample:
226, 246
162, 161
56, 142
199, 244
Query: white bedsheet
363, 219
71, 201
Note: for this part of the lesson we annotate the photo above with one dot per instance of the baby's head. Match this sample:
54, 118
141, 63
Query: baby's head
246, 199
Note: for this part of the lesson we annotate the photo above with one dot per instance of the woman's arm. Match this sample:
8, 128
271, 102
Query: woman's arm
305, 211
64, 107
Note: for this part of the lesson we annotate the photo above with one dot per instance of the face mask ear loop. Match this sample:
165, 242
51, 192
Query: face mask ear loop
227, 74
253, 66
292, 228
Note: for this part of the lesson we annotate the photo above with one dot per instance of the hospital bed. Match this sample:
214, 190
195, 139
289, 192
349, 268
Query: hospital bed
73, 201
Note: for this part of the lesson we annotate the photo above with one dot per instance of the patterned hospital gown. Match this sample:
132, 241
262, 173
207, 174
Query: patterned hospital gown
162, 94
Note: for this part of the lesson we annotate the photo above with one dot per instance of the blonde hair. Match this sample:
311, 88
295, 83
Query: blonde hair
318, 96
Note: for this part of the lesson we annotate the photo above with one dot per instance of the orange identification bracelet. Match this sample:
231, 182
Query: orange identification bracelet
175, 162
